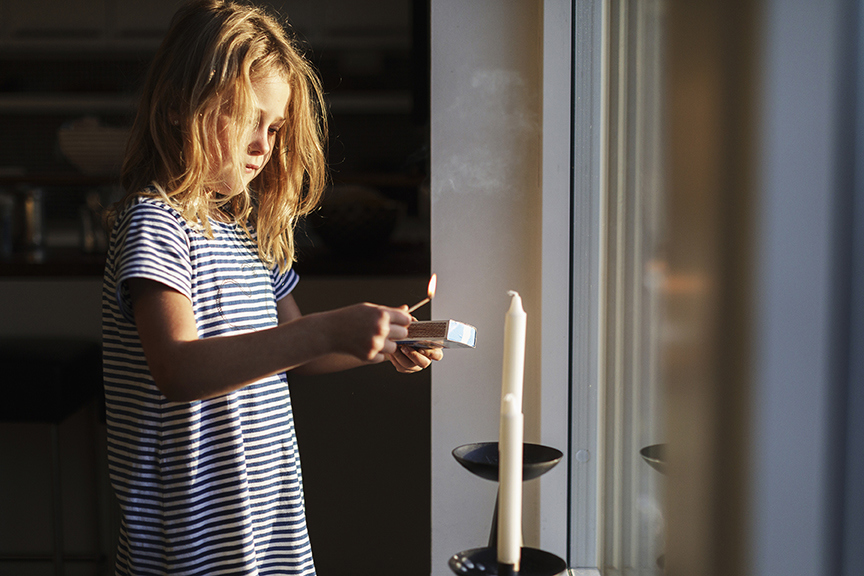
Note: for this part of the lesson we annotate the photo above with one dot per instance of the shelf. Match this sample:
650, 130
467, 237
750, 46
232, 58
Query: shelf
394, 259
403, 259
59, 179
53, 262
47, 103
354, 102
371, 102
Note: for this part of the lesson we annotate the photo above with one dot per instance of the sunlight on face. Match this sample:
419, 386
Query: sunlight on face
271, 100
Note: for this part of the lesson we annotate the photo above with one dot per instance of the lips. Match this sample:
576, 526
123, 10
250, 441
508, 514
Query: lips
251, 167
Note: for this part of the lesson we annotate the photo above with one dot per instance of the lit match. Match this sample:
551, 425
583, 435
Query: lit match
430, 292
438, 333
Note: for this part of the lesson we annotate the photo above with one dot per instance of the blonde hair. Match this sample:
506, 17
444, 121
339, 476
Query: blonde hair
203, 71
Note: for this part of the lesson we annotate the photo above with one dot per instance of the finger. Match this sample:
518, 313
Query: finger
434, 354
401, 362
405, 308
399, 316
389, 347
397, 332
416, 357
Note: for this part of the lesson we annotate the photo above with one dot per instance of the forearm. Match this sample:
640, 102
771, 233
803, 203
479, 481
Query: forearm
403, 359
186, 370
330, 363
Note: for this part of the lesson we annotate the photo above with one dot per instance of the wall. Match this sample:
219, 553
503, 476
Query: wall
803, 317
486, 230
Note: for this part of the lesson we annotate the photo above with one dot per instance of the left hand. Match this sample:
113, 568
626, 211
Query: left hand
408, 360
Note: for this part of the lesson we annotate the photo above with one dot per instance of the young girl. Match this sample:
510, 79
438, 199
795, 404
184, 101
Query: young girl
199, 326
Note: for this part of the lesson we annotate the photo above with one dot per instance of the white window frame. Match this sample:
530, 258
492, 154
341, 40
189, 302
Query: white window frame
609, 291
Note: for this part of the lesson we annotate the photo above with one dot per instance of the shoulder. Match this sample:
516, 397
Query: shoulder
146, 224
153, 213
283, 283
151, 206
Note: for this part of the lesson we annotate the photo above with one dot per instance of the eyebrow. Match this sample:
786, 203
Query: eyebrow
274, 121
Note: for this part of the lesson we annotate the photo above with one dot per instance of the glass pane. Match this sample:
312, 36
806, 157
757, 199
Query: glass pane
626, 216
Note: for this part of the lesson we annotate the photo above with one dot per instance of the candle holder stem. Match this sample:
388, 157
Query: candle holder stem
493, 531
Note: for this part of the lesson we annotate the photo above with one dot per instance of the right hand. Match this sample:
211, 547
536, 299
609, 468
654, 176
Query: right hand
367, 331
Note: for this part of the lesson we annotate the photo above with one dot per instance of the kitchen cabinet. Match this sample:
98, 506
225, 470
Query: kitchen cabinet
88, 24
85, 24
144, 20
48, 19
343, 23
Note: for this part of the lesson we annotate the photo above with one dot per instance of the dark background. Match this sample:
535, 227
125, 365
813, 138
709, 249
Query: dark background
364, 435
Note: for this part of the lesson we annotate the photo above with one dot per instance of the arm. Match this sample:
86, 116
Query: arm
288, 311
403, 358
186, 368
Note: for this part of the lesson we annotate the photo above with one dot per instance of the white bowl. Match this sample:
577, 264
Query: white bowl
92, 147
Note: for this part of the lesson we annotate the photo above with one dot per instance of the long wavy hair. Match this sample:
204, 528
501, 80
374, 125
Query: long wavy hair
202, 74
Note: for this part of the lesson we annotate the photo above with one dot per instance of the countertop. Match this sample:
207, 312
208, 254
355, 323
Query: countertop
395, 259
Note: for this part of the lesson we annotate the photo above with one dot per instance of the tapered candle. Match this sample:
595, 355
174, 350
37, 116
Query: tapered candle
514, 350
510, 483
510, 436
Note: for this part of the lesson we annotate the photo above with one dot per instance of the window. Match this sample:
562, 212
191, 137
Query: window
582, 255
617, 279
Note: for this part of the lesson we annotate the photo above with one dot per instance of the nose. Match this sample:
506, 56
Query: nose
260, 144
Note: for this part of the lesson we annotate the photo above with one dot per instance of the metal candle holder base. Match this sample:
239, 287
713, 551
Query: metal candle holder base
484, 562
481, 459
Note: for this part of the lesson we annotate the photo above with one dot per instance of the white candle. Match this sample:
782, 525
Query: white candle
514, 350
510, 483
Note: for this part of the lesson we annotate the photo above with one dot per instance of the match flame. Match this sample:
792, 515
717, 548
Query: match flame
430, 291
433, 283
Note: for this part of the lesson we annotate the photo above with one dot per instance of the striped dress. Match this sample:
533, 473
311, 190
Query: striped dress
207, 487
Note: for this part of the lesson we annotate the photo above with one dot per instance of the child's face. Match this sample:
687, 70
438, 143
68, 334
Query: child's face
271, 100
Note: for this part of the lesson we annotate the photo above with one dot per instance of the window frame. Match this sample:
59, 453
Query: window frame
613, 133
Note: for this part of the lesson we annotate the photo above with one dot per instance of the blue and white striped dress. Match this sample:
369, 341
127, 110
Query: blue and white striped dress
207, 487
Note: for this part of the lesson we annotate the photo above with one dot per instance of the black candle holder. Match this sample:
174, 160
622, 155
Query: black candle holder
655, 456
481, 459
484, 561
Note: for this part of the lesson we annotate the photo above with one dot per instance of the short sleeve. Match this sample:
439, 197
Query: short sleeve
152, 243
283, 284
